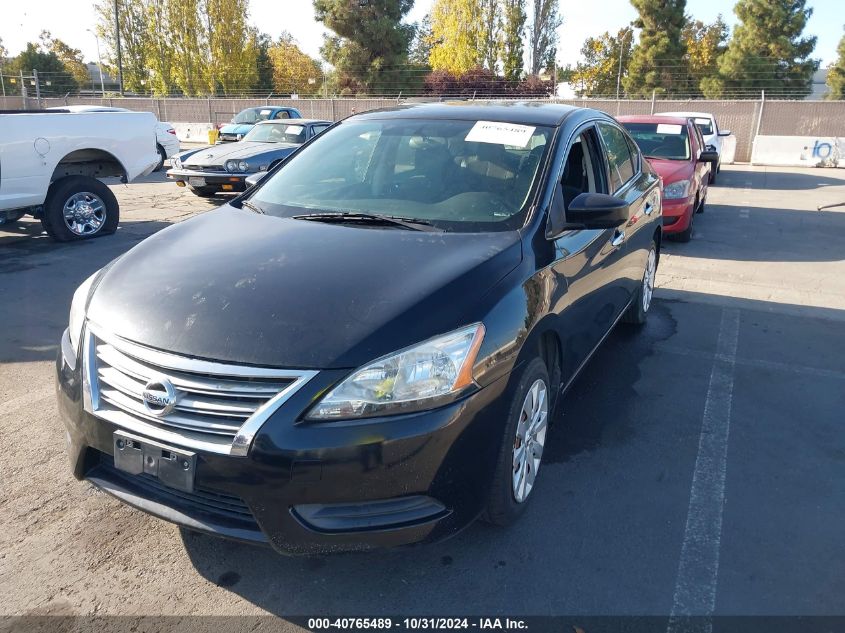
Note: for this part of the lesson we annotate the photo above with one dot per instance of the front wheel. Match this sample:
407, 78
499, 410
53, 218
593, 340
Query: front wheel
638, 311
522, 445
79, 207
204, 192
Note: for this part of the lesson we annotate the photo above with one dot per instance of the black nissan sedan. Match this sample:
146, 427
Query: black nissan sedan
367, 348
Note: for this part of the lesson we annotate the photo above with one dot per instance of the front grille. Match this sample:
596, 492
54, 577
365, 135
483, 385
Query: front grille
218, 407
206, 168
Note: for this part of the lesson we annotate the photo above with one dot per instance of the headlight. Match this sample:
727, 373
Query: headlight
237, 165
676, 190
419, 377
177, 163
77, 311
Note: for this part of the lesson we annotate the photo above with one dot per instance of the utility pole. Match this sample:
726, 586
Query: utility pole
119, 53
99, 62
621, 49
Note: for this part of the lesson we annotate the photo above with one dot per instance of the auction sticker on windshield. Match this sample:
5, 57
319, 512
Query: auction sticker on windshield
500, 133
668, 128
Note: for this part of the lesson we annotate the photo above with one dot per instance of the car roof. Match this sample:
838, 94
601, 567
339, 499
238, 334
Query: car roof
269, 107
293, 121
519, 112
701, 115
652, 118
88, 108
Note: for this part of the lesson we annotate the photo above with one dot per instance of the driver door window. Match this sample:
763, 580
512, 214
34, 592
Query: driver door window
583, 171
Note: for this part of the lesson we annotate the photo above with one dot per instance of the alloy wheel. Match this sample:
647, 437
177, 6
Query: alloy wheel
648, 279
530, 439
84, 213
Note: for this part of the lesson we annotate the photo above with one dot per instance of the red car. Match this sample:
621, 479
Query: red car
675, 148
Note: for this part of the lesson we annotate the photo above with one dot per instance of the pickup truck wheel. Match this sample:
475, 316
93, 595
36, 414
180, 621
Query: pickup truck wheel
79, 207
162, 156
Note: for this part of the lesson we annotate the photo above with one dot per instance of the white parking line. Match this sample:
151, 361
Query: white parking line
698, 568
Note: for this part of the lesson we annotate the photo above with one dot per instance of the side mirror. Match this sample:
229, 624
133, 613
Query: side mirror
708, 157
724, 132
254, 179
597, 211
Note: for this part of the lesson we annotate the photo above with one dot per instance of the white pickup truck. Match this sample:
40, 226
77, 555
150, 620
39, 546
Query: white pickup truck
51, 163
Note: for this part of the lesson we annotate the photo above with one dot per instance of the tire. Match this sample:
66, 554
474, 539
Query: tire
503, 506
204, 192
700, 208
93, 208
686, 234
162, 156
637, 312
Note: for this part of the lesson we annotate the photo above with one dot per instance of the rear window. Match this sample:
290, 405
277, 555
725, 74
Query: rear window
705, 125
253, 115
661, 140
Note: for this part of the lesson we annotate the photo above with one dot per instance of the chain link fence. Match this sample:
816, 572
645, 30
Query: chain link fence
744, 118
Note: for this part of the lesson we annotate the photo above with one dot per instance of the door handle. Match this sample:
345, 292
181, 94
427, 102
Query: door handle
618, 238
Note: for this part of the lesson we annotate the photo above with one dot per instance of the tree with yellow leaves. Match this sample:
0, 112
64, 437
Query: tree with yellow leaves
293, 70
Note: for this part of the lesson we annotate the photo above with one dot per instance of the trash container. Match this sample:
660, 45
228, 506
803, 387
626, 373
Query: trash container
212, 136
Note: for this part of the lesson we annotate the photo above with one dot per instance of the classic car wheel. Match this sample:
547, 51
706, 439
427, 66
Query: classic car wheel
204, 192
79, 207
522, 446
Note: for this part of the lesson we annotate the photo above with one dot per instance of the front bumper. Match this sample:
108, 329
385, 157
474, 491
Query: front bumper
677, 214
313, 487
220, 180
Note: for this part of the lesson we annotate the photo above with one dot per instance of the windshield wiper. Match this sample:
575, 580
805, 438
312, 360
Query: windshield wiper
249, 205
414, 224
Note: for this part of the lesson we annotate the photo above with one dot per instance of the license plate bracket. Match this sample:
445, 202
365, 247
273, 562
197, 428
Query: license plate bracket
174, 467
196, 181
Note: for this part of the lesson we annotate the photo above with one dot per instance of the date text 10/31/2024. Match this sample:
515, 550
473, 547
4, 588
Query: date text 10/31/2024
317, 624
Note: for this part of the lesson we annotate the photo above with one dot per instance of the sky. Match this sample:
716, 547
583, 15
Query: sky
69, 19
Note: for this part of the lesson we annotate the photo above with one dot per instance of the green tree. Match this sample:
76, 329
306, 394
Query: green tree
187, 39
658, 61
597, 72
421, 44
767, 51
71, 58
263, 64
705, 44
489, 33
370, 50
293, 70
233, 46
836, 74
49, 67
455, 27
159, 54
513, 29
133, 40
542, 34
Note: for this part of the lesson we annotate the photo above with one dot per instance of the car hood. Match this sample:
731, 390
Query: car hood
672, 170
216, 154
236, 128
236, 286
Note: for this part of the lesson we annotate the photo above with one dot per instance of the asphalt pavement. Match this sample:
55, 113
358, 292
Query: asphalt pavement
694, 467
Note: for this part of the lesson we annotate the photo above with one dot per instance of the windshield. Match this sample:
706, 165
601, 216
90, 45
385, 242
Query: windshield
661, 140
457, 175
277, 133
253, 115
